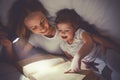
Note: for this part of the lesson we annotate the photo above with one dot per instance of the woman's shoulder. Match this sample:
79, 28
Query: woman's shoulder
34, 36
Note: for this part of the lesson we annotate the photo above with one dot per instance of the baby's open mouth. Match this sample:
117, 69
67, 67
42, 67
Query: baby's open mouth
64, 37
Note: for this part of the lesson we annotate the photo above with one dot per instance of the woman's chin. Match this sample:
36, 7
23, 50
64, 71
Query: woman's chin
44, 33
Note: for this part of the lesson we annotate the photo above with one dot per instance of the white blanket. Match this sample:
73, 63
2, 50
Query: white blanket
53, 69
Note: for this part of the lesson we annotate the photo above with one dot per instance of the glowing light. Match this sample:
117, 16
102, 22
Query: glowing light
22, 77
50, 69
16, 40
43, 66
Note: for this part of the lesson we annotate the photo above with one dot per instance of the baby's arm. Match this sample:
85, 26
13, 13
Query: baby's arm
75, 65
69, 57
84, 50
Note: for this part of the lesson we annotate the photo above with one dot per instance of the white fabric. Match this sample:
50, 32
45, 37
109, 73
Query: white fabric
50, 69
57, 5
50, 45
103, 13
74, 48
101, 65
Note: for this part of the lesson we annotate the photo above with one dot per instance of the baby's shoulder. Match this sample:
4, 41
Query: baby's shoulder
78, 33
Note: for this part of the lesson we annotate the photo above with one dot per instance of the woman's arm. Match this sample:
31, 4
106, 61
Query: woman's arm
105, 44
22, 47
26, 50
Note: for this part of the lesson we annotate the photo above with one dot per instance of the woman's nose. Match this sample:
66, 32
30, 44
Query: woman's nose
41, 27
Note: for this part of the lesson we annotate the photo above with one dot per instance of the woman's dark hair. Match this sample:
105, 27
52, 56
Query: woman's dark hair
19, 10
3, 31
2, 28
70, 16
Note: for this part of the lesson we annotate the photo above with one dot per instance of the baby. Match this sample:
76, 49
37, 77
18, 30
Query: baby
78, 45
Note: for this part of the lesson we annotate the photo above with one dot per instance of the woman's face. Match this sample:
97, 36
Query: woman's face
66, 31
37, 23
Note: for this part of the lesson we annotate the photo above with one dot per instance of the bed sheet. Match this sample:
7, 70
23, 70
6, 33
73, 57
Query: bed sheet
49, 67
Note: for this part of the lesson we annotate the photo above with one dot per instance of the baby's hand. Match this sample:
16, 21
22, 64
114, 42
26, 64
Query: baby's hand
73, 70
75, 65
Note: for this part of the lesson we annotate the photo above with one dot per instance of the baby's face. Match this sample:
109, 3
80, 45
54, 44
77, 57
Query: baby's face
37, 23
66, 32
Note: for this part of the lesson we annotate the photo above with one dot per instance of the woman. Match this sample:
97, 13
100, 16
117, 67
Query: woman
34, 27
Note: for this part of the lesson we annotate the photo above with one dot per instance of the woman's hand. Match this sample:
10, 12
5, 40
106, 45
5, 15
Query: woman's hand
5, 42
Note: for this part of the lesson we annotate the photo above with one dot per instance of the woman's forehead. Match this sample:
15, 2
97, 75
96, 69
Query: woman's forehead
33, 18
37, 14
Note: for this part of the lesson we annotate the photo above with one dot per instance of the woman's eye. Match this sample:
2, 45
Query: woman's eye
33, 28
42, 21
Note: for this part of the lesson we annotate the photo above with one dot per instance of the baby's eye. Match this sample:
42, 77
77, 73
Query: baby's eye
67, 30
59, 30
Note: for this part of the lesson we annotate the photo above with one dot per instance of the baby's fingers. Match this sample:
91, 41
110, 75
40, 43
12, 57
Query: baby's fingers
68, 71
72, 71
